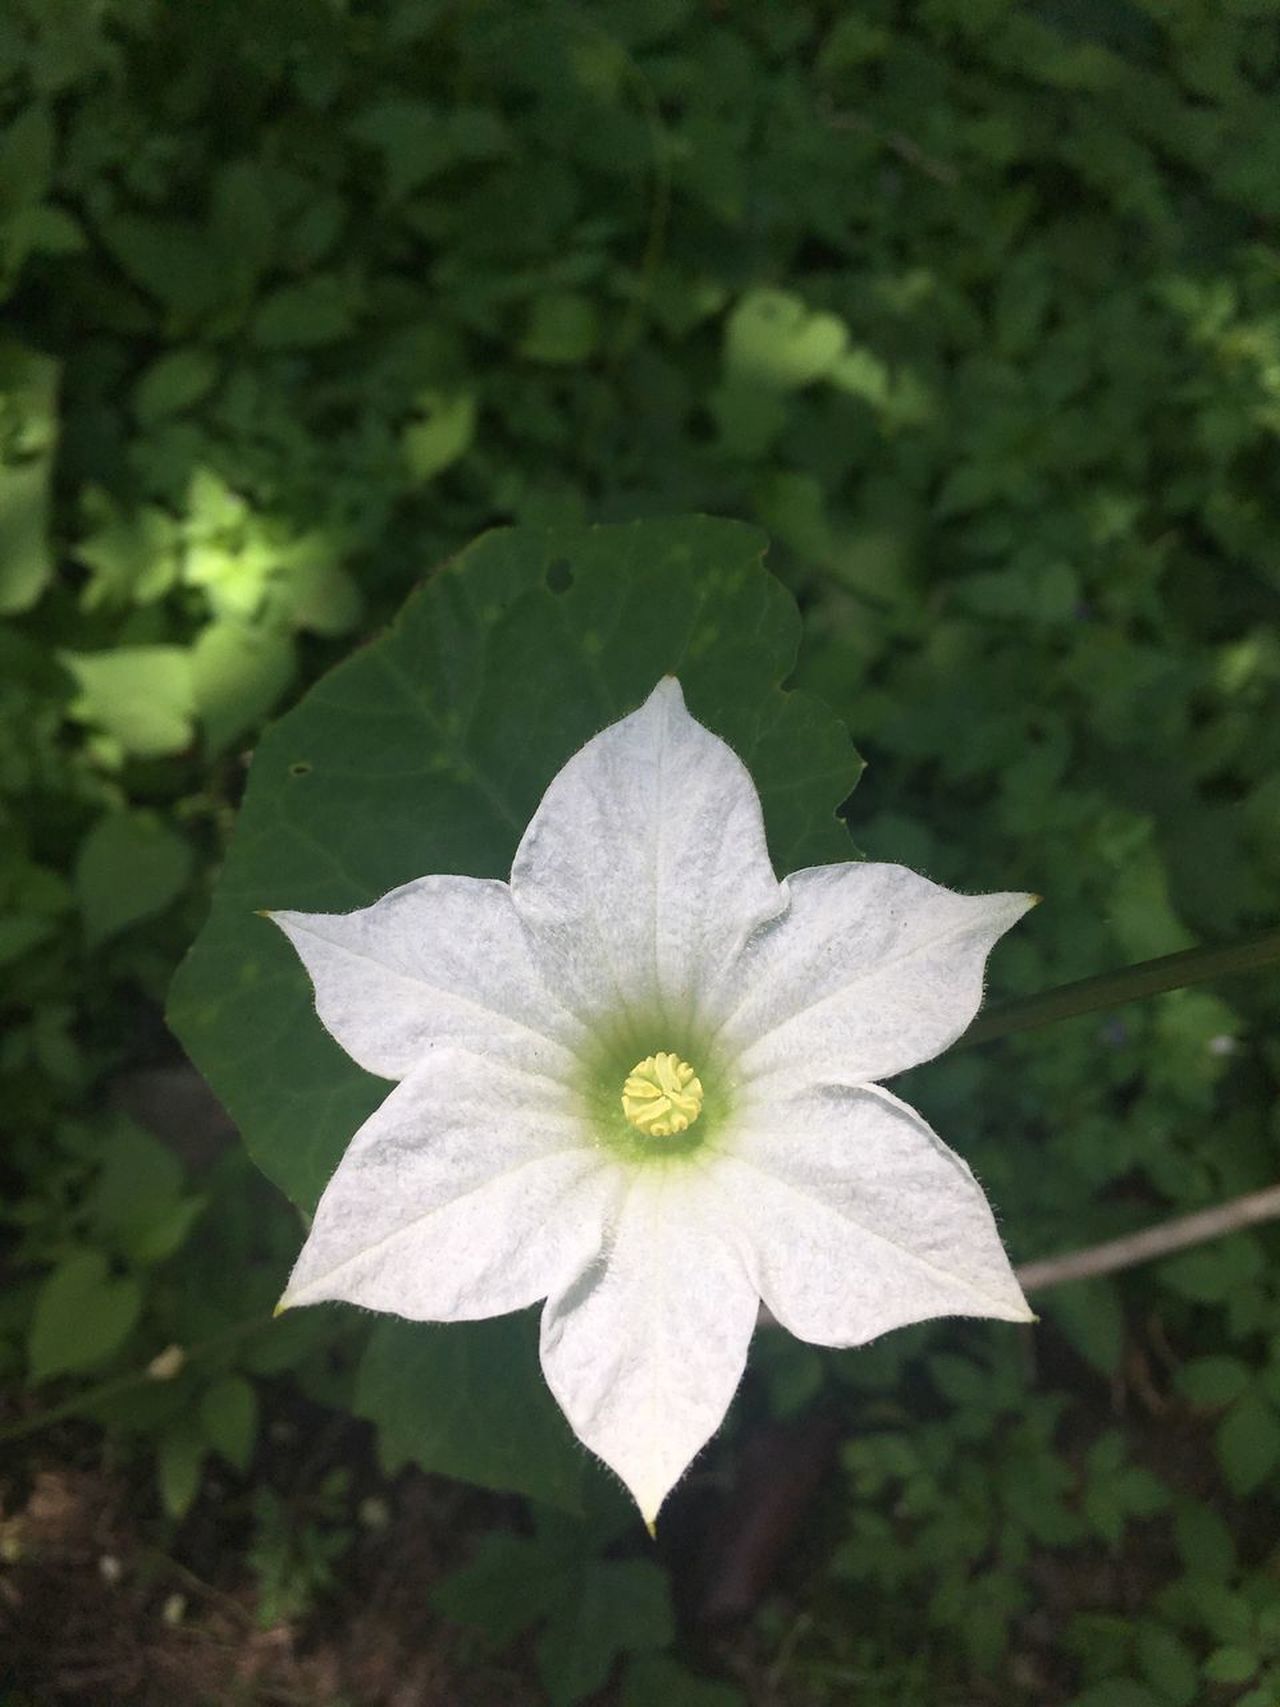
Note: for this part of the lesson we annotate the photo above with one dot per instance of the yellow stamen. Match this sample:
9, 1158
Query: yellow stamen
662, 1096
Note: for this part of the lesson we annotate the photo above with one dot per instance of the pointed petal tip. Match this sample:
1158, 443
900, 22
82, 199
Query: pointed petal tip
650, 1503
282, 1306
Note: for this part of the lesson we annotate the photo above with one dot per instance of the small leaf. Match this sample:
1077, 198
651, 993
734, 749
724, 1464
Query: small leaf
82, 1316
1167, 1664
140, 694
239, 675
563, 328
623, 1606
229, 1419
319, 596
25, 561
1231, 1665
774, 341
28, 394
441, 432
1213, 1380
657, 1678
167, 258
505, 1587
1212, 1274
418, 141
320, 310
133, 554
1248, 1443
140, 1180
1091, 1317
1118, 1692
21, 932
50, 230
26, 156
179, 1465
1205, 1542
178, 379
130, 866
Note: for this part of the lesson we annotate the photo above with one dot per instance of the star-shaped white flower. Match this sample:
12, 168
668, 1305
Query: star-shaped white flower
640, 1081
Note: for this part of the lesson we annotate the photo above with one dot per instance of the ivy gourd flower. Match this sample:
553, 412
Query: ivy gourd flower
640, 1081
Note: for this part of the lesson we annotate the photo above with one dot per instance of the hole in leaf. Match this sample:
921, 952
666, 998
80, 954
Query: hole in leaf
559, 575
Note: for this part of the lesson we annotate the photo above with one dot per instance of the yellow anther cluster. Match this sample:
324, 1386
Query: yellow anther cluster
662, 1096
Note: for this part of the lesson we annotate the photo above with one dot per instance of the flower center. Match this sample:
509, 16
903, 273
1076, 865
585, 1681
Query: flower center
662, 1096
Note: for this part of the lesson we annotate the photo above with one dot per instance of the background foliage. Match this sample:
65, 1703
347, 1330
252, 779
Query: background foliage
976, 308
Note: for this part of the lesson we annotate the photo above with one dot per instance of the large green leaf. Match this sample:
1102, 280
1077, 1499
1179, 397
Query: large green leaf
428, 751
469, 1403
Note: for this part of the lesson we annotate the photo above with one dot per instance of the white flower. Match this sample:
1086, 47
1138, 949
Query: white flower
640, 1081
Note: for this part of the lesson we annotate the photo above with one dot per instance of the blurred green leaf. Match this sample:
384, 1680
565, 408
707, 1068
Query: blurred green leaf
1213, 1380
624, 1606
320, 310
28, 430
130, 866
1249, 1443
651, 1679
1091, 1316
239, 674
229, 1419
591, 1610
180, 1456
441, 431
774, 341
83, 1315
167, 258
26, 156
1118, 1692
1205, 1541
1168, 1665
418, 141
1231, 1665
132, 554
143, 695
174, 382
563, 328
139, 1182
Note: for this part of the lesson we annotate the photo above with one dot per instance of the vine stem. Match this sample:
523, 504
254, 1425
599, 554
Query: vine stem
1152, 1242
1130, 984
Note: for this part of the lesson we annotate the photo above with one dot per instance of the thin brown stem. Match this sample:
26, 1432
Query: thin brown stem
1152, 1242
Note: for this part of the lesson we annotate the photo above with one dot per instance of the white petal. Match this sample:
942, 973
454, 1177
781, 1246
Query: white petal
439, 960
645, 866
475, 1189
645, 1349
859, 1218
872, 969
